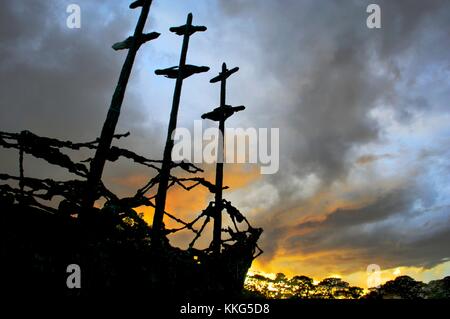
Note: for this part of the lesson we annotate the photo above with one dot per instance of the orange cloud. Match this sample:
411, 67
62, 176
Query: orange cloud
186, 205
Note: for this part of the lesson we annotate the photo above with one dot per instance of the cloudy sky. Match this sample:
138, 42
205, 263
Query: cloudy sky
363, 116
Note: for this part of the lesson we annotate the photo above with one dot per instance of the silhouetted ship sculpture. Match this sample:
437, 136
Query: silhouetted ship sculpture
50, 224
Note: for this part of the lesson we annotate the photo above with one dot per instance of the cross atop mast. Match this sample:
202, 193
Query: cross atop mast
220, 114
180, 72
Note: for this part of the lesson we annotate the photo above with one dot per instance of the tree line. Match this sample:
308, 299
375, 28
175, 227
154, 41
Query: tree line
303, 287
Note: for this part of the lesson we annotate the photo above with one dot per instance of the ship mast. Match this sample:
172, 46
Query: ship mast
133, 44
220, 114
180, 72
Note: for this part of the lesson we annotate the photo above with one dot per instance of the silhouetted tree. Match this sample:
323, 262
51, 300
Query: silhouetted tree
403, 287
353, 293
330, 288
438, 289
336, 288
280, 277
302, 287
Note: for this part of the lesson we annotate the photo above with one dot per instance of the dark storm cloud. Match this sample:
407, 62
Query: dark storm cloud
327, 60
331, 72
386, 243
58, 81
407, 225
395, 202
338, 229
53, 73
369, 158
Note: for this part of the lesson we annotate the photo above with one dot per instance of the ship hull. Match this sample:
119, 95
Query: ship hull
37, 248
